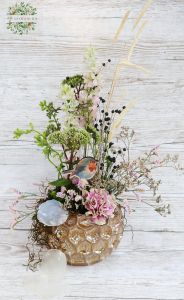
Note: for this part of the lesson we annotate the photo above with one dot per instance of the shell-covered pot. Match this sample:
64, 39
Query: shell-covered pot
84, 242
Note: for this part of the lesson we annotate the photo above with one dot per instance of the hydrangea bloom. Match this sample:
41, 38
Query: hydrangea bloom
100, 205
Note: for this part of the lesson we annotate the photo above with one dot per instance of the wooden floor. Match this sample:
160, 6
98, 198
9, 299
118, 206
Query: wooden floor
151, 265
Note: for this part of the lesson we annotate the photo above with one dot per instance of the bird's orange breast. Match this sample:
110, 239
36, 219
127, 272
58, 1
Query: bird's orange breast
92, 166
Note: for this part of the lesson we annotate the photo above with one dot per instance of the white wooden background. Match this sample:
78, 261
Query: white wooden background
151, 266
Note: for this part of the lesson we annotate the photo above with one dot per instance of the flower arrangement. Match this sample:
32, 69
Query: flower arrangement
87, 143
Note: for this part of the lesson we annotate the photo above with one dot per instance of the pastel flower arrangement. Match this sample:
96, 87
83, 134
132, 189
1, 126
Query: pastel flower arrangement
93, 173
90, 149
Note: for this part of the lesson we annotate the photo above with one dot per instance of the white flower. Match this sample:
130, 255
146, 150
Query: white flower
78, 198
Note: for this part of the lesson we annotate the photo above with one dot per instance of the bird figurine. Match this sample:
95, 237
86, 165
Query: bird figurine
85, 169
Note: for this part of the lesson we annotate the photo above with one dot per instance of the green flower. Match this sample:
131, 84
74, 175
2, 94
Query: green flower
66, 91
72, 138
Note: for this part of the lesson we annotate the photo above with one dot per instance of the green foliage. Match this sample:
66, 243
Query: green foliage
51, 128
78, 93
22, 9
94, 133
61, 182
52, 195
74, 81
41, 138
19, 132
51, 112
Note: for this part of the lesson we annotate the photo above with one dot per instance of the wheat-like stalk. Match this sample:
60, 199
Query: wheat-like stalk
142, 13
122, 25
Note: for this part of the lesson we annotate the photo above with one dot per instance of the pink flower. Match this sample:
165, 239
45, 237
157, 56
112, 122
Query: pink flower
78, 198
82, 121
72, 193
96, 101
81, 183
100, 205
13, 190
127, 206
157, 162
61, 194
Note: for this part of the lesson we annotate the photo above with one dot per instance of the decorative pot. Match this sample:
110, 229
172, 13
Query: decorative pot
85, 243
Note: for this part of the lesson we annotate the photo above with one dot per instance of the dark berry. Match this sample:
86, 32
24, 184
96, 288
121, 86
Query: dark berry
124, 107
106, 113
124, 149
103, 64
112, 111
111, 176
102, 111
119, 151
109, 60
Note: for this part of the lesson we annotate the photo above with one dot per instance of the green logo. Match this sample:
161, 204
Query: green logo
21, 18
